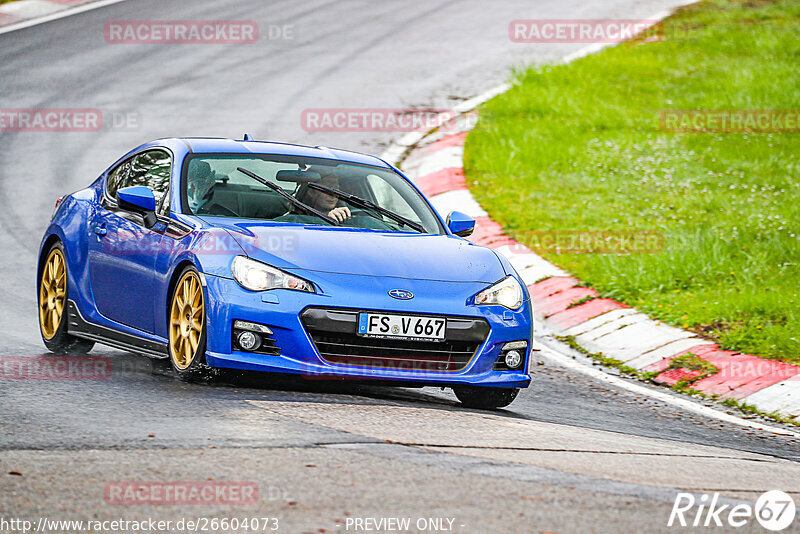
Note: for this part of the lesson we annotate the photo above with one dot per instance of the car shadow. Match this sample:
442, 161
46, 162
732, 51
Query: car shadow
261, 386
347, 391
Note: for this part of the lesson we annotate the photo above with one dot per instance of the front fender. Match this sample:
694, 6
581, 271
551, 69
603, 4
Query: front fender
209, 250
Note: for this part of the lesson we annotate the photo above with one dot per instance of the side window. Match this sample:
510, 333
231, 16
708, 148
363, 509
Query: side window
151, 168
118, 178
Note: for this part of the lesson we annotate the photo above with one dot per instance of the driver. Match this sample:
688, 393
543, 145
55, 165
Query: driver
321, 200
199, 188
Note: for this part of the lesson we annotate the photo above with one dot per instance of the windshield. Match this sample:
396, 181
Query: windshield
214, 187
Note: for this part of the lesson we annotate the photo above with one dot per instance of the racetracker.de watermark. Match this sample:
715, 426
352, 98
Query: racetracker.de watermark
124, 242
376, 119
55, 367
360, 369
133, 493
181, 32
578, 30
50, 120
594, 242
730, 121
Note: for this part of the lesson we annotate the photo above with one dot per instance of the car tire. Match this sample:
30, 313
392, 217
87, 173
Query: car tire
53, 298
485, 398
186, 326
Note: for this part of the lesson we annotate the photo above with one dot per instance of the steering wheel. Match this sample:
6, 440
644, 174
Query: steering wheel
378, 222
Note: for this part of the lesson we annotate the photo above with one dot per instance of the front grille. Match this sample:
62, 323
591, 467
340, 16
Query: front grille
333, 334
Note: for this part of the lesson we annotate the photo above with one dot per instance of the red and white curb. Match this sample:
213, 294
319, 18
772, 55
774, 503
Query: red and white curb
434, 162
26, 13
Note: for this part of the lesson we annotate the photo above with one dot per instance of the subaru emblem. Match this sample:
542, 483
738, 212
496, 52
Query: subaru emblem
401, 294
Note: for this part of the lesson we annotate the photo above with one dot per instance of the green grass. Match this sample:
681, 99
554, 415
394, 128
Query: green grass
578, 147
693, 363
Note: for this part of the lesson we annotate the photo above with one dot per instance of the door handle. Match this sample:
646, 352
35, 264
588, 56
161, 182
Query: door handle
100, 230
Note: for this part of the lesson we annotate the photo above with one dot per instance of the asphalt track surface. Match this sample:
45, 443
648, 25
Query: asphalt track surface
571, 454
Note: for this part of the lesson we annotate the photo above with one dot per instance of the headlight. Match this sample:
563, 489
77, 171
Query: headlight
257, 276
507, 292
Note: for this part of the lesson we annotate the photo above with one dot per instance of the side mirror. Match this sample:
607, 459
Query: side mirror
460, 224
139, 199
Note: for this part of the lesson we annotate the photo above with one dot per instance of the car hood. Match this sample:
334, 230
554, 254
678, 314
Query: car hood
362, 252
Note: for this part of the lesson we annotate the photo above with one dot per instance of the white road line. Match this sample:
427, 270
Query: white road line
682, 403
30, 9
58, 15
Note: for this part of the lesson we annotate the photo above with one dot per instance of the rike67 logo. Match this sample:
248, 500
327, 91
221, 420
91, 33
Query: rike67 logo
774, 510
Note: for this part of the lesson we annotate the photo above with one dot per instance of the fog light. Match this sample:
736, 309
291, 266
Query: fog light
513, 359
250, 341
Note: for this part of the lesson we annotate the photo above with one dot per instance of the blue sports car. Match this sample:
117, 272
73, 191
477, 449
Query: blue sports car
325, 263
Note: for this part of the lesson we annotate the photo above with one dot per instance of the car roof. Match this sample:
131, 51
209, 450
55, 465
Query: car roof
208, 145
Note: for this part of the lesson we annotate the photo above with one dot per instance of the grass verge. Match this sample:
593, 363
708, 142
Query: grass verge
579, 148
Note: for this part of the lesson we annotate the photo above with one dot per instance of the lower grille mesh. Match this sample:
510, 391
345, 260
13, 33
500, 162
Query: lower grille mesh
421, 356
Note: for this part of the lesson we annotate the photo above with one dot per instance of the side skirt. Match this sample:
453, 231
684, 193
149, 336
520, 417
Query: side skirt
80, 327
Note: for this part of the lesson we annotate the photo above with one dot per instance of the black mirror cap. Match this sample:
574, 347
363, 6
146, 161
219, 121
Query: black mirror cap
150, 217
127, 206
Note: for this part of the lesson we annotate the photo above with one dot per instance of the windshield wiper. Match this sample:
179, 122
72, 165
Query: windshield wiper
278, 189
363, 203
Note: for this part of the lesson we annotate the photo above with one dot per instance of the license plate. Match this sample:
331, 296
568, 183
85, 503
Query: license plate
401, 326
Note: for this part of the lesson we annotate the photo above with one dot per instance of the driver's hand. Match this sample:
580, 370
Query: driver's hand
340, 214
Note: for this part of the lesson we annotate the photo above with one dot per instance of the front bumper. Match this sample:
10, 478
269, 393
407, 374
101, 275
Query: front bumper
294, 316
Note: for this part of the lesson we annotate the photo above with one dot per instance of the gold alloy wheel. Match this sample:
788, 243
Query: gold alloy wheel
186, 320
52, 293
